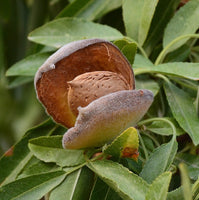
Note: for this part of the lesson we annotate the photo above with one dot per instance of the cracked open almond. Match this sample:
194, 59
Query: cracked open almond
79, 73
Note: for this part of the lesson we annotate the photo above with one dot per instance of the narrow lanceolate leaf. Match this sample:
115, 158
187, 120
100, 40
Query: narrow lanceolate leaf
183, 110
49, 149
184, 22
125, 145
101, 191
179, 69
186, 184
159, 161
32, 187
89, 9
28, 66
128, 185
146, 18
158, 189
132, 10
76, 186
61, 31
16, 158
164, 11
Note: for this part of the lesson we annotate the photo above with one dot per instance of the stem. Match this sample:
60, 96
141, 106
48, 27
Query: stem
162, 77
165, 50
159, 119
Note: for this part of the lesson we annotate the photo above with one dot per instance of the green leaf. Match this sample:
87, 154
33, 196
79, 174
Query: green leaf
38, 168
158, 189
128, 49
164, 11
120, 178
148, 84
49, 149
192, 163
61, 31
125, 145
184, 22
142, 61
159, 161
163, 128
101, 191
89, 9
32, 187
76, 186
183, 110
148, 11
28, 66
179, 69
132, 12
186, 185
16, 158
175, 194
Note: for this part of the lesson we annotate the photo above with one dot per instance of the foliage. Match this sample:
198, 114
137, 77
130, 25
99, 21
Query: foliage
160, 40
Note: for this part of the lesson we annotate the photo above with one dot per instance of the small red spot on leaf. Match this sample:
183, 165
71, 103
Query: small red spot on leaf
129, 152
9, 152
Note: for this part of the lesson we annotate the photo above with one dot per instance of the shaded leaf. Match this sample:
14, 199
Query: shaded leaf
76, 186
120, 178
38, 168
179, 55
192, 163
179, 69
158, 189
61, 31
148, 11
185, 21
16, 158
186, 185
183, 110
125, 145
89, 9
159, 161
28, 66
49, 149
32, 187
128, 49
